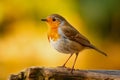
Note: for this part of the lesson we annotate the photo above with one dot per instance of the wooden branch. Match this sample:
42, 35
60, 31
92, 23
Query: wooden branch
60, 73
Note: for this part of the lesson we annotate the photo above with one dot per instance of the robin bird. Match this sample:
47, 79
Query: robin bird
66, 39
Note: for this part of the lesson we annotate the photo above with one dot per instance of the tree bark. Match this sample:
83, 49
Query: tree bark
61, 73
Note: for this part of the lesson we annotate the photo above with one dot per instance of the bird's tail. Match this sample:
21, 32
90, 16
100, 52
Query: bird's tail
93, 47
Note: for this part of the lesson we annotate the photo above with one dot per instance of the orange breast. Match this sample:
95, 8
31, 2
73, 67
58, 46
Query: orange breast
53, 34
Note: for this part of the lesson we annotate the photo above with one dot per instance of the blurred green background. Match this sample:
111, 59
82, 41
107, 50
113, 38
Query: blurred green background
23, 37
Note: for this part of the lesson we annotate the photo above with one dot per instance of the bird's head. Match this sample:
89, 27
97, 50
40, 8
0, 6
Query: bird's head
54, 20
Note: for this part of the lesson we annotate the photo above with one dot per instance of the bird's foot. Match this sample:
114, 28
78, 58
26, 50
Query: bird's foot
71, 71
62, 66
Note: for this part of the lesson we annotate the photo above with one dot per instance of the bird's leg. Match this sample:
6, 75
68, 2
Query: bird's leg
67, 60
74, 62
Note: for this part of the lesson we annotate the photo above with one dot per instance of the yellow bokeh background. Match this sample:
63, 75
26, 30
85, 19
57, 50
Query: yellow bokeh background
23, 37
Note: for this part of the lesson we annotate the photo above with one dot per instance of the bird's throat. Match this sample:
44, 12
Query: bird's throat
53, 34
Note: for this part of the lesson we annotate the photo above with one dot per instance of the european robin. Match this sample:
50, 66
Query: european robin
66, 39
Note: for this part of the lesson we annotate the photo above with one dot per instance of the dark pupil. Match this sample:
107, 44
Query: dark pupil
54, 19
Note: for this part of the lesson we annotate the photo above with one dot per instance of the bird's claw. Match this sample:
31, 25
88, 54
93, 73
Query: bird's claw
62, 67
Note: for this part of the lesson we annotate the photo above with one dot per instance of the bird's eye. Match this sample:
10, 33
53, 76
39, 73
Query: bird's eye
53, 19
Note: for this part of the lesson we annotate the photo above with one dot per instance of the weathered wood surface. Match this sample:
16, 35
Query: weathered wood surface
60, 73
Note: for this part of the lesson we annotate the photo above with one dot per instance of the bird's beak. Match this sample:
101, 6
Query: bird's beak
43, 19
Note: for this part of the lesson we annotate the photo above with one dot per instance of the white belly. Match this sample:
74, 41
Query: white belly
66, 46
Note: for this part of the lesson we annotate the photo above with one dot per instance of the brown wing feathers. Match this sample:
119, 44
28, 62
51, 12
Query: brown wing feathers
72, 34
